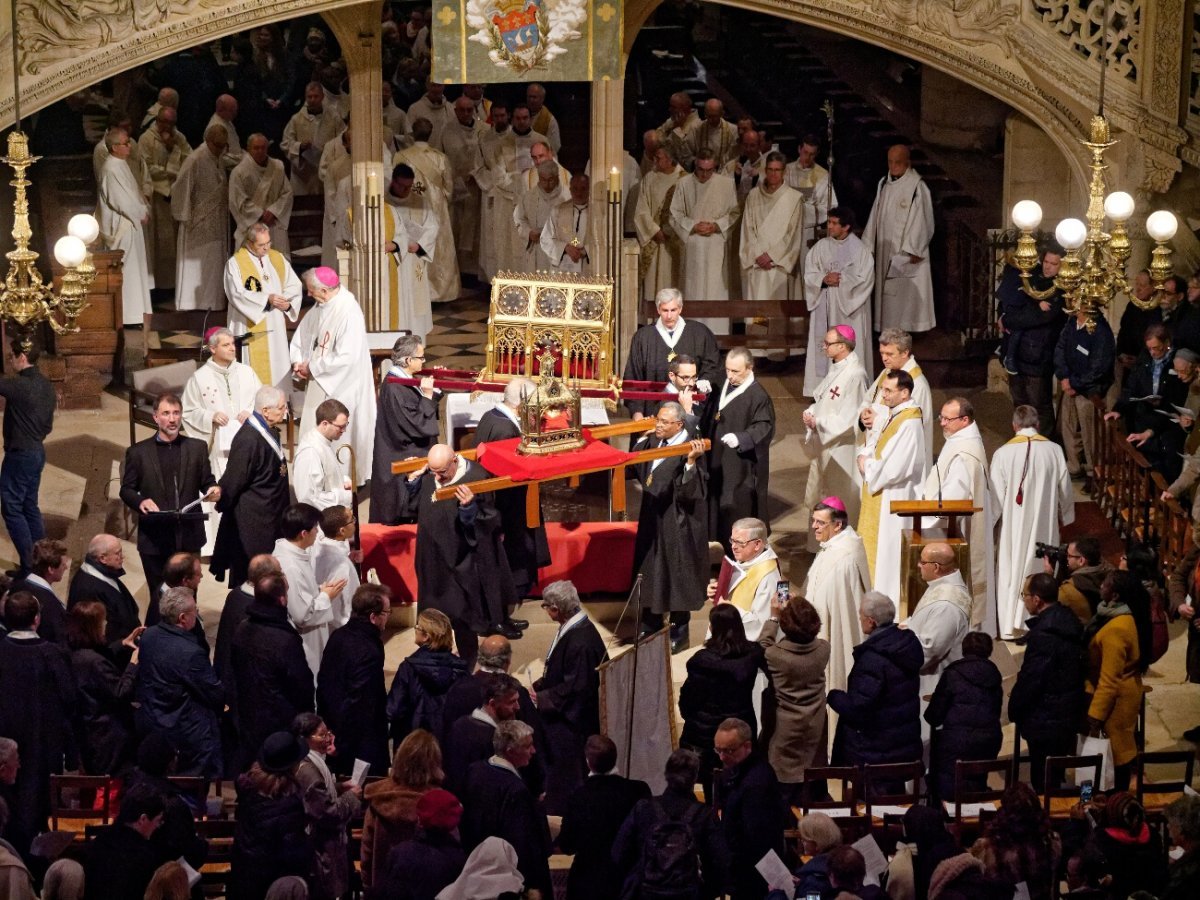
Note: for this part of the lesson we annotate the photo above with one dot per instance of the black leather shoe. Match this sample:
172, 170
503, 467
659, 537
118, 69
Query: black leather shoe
679, 644
505, 629
1192, 734
522, 624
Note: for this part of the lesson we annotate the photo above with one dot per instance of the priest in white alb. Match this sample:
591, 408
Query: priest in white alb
1033, 497
318, 477
898, 233
836, 582
225, 112
199, 203
893, 467
122, 213
838, 277
329, 350
658, 264
769, 249
811, 179
460, 143
411, 232
305, 137
217, 399
262, 289
831, 425
334, 172
961, 473
704, 213
163, 149
436, 186
570, 240
505, 150
259, 191
895, 354
940, 620
533, 212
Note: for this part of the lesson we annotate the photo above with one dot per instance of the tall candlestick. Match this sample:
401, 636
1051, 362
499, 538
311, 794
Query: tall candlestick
614, 183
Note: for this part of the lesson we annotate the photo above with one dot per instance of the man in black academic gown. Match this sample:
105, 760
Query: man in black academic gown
166, 471
460, 565
99, 578
740, 422
496, 803
594, 815
568, 694
254, 489
525, 548
682, 376
671, 548
50, 563
35, 708
655, 347
406, 425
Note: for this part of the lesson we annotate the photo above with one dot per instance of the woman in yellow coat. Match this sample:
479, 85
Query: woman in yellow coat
1118, 646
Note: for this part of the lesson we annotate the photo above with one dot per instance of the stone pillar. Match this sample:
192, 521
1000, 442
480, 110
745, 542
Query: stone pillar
357, 29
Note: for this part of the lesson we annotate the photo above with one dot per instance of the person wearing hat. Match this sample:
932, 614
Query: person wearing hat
831, 423
839, 576
839, 278
270, 841
329, 350
421, 867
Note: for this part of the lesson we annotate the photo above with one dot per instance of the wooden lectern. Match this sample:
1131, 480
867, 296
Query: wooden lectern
912, 586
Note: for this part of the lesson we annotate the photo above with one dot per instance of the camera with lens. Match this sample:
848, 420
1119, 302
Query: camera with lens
1056, 553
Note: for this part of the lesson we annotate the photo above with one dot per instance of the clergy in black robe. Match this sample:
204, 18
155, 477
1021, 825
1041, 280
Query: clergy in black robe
568, 694
254, 490
671, 549
654, 347
526, 548
460, 565
406, 425
99, 578
37, 699
740, 424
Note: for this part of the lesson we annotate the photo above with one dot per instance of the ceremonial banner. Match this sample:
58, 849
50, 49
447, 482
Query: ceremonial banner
486, 41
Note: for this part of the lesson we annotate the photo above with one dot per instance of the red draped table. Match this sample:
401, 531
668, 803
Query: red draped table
596, 556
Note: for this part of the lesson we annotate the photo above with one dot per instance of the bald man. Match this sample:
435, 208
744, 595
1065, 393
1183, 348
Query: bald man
715, 133
99, 578
224, 115
163, 150
942, 618
676, 132
461, 567
306, 135
898, 233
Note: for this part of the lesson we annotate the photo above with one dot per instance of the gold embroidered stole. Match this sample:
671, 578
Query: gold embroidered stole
742, 595
259, 351
872, 503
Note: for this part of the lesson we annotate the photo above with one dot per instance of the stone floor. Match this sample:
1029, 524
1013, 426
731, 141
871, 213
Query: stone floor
79, 499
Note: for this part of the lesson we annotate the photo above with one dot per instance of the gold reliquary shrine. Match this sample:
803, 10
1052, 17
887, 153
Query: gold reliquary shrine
567, 316
551, 419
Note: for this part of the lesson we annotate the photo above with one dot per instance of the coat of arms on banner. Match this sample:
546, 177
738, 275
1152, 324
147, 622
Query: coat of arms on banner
523, 35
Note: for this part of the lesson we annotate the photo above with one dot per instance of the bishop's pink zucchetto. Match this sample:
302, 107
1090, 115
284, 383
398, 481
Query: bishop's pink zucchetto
846, 333
326, 276
834, 503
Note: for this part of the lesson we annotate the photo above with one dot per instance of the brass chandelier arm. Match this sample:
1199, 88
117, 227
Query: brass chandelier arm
1030, 291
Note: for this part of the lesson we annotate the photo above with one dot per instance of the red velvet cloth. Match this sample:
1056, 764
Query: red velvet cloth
501, 458
596, 556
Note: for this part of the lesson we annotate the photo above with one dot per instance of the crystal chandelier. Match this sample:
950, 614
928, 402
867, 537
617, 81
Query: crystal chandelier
25, 300
1093, 266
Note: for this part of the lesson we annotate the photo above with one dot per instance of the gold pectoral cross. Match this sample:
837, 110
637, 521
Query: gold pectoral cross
671, 356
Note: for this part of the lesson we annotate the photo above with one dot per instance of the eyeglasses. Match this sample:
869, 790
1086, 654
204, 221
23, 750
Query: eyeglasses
949, 418
927, 562
421, 358
739, 544
727, 751
832, 343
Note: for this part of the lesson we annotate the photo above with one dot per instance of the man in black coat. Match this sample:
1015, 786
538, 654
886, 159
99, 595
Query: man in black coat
51, 563
593, 816
254, 489
162, 475
469, 738
740, 422
177, 689
879, 712
1047, 697
672, 531
526, 548
37, 700
1158, 438
406, 425
1031, 328
461, 567
568, 694
272, 681
350, 694
497, 803
120, 862
99, 578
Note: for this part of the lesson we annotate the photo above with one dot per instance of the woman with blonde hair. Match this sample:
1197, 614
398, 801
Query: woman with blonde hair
391, 815
169, 883
819, 834
418, 693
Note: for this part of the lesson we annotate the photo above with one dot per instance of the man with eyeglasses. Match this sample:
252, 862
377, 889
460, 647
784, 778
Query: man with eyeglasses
656, 348
1148, 400
123, 212
941, 620
829, 424
753, 575
961, 473
895, 352
1086, 571
406, 425
262, 289
704, 213
318, 477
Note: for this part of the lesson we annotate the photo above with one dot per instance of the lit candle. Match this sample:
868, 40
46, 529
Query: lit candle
614, 182
372, 185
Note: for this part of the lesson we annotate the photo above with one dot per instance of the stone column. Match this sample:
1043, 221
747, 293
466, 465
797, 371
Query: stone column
357, 30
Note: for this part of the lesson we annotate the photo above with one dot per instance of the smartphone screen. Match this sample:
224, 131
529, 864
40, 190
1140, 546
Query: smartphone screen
1085, 792
783, 591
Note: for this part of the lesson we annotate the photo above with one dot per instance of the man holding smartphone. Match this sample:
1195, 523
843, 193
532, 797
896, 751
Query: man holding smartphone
751, 579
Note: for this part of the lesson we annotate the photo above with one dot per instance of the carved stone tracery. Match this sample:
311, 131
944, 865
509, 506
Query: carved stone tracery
1080, 24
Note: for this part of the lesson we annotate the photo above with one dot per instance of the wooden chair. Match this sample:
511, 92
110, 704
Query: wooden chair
176, 335
83, 791
195, 792
1056, 770
1161, 793
966, 769
214, 874
844, 811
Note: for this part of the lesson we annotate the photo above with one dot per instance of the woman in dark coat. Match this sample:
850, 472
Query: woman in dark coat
1132, 851
270, 841
106, 733
719, 685
418, 692
965, 714
329, 805
420, 867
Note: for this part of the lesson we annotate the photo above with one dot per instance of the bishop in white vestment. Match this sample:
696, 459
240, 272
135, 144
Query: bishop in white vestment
704, 213
122, 212
199, 203
836, 582
411, 231
839, 275
262, 289
1033, 496
898, 232
259, 191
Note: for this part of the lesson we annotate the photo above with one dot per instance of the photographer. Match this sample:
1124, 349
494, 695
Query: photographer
1086, 569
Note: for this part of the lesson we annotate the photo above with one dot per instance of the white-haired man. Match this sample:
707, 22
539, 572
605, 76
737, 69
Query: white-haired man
259, 191
753, 575
533, 211
655, 347
199, 201
264, 293
330, 352
895, 352
123, 213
